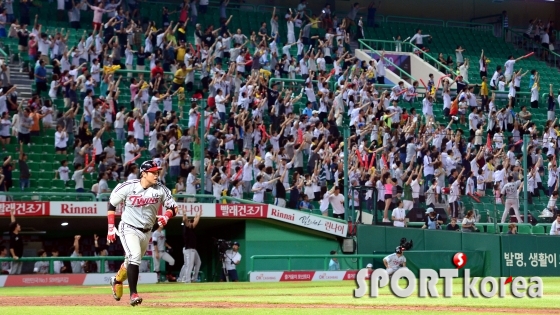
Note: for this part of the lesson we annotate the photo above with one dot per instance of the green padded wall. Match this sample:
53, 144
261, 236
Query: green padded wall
267, 238
525, 255
443, 259
489, 243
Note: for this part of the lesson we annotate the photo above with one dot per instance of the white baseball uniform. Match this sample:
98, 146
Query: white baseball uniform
158, 239
139, 215
394, 262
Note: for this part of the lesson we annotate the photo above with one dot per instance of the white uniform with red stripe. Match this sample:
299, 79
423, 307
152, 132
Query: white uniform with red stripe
139, 215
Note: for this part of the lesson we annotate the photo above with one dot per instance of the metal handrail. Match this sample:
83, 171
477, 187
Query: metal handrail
413, 20
325, 259
413, 47
51, 260
362, 43
470, 25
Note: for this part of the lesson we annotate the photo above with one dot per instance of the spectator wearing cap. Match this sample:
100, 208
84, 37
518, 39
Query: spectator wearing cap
232, 258
432, 220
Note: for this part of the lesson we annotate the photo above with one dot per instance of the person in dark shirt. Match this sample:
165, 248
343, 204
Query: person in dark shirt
190, 255
453, 225
7, 168
16, 245
272, 95
24, 173
280, 197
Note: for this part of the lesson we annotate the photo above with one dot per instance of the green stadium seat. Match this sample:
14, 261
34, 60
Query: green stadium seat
538, 229
524, 229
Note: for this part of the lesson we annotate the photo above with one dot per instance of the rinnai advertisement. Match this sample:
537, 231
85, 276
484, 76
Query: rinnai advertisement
300, 218
209, 210
283, 276
68, 279
91, 208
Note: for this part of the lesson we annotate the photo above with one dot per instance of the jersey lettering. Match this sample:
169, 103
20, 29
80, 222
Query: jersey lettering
139, 201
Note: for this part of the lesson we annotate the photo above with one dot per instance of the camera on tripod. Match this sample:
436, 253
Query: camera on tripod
223, 246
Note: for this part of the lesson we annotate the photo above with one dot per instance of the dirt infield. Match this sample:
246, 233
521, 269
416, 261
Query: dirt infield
150, 300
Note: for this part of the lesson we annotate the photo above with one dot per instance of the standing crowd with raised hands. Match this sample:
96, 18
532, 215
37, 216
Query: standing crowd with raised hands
273, 107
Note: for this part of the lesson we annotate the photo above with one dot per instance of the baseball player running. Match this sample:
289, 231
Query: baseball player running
142, 199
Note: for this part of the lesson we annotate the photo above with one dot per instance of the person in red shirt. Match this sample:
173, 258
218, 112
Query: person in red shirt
248, 62
157, 70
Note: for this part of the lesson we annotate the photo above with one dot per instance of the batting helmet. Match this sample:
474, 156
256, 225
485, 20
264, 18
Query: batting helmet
399, 250
149, 166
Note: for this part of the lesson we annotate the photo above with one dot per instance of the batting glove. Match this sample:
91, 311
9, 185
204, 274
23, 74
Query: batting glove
111, 234
162, 219
111, 238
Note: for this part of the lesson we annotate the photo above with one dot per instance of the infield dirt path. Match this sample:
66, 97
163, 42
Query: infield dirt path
101, 300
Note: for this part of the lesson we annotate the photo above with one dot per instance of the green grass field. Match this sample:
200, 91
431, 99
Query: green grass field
261, 298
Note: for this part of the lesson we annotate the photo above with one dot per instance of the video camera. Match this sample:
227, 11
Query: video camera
223, 246
406, 245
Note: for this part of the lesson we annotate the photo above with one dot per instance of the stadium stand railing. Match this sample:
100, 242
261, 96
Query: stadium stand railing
355, 260
51, 260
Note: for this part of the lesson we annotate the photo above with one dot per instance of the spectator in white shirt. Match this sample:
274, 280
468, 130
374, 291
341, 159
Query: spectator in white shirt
60, 140
555, 227
398, 215
418, 39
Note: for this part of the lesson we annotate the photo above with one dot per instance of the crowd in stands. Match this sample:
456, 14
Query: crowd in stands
271, 141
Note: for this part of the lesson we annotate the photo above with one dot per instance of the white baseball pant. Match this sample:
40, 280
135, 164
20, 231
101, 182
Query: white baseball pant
162, 256
391, 271
192, 261
15, 269
512, 203
135, 243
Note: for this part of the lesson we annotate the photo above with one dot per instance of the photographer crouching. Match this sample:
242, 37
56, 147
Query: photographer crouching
231, 258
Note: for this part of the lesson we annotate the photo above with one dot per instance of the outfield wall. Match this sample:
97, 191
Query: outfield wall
69, 279
497, 255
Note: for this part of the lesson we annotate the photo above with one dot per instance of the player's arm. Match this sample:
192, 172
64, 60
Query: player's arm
171, 208
118, 195
404, 264
77, 244
385, 262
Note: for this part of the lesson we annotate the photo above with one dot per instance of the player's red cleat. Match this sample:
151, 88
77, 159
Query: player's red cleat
135, 299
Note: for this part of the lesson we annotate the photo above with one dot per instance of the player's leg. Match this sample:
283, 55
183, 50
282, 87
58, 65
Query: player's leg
515, 207
167, 258
156, 264
135, 244
183, 274
121, 276
197, 263
189, 263
117, 281
506, 211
